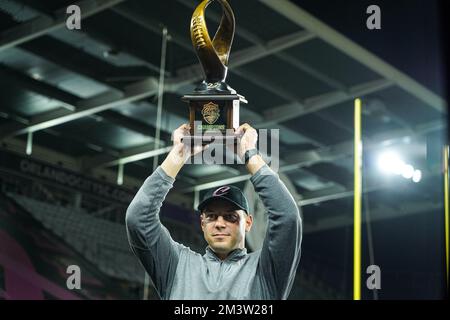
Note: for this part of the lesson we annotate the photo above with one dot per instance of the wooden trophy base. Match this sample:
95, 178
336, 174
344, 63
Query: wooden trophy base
213, 118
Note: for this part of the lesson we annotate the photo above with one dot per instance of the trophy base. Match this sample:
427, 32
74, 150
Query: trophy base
213, 118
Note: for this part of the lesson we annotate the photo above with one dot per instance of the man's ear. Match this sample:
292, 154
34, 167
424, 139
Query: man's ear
248, 222
201, 220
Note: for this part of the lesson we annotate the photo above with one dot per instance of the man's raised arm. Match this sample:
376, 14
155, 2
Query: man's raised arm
280, 253
149, 239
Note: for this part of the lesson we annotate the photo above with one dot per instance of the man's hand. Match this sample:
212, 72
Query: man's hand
181, 152
247, 142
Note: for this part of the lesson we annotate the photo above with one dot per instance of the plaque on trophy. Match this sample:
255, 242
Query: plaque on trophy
213, 106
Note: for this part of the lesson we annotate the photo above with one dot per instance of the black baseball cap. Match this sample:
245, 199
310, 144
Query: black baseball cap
230, 193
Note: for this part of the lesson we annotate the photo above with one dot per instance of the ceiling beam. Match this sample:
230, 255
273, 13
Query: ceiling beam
268, 119
44, 24
134, 125
83, 63
67, 99
133, 154
138, 153
305, 20
313, 104
83, 107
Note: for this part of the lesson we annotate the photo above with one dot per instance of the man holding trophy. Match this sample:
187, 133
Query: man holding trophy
226, 270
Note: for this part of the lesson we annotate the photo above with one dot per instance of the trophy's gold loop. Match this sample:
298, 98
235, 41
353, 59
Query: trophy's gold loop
213, 55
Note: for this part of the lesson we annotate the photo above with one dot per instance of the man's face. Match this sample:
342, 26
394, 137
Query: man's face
224, 226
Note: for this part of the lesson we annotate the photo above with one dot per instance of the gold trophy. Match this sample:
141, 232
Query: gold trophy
213, 106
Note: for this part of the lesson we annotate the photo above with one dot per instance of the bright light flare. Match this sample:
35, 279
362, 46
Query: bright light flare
390, 162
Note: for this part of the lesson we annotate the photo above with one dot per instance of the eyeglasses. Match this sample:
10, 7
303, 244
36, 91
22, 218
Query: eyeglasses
211, 217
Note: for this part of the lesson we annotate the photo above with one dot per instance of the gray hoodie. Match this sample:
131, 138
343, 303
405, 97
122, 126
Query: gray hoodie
179, 273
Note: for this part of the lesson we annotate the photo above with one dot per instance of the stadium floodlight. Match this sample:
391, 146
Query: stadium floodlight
407, 171
417, 176
390, 162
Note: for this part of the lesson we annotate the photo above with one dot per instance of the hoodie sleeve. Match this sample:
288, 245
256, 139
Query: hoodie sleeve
148, 238
280, 254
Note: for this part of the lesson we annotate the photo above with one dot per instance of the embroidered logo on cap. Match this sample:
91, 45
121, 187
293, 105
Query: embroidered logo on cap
221, 191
